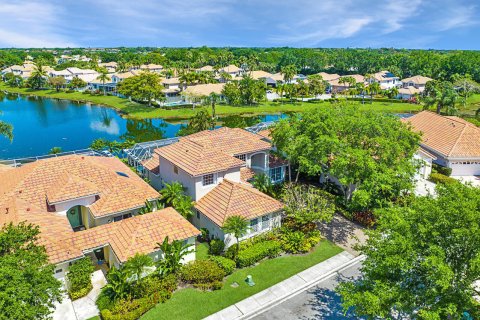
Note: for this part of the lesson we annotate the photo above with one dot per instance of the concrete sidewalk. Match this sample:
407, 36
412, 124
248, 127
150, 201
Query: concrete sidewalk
283, 290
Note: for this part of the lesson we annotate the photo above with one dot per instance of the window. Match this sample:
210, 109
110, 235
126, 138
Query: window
58, 270
254, 225
127, 215
118, 218
198, 215
265, 222
175, 169
208, 179
242, 157
276, 174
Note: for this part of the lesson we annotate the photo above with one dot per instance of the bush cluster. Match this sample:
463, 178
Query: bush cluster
226, 264
440, 178
131, 309
79, 278
257, 252
436, 168
298, 241
203, 274
216, 247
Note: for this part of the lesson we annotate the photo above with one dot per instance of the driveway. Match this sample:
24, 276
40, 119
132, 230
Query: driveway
344, 233
83, 308
318, 302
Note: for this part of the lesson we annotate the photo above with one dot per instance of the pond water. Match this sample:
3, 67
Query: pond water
41, 124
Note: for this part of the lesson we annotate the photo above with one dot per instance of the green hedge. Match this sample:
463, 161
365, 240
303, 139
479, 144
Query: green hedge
440, 178
79, 278
228, 265
441, 169
257, 252
203, 274
216, 247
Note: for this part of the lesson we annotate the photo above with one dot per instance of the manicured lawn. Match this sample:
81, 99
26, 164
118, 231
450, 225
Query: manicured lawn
195, 304
201, 251
139, 111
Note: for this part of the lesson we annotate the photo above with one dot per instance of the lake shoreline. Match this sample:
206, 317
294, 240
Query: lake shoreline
133, 110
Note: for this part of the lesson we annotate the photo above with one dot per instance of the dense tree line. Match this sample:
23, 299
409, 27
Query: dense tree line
441, 65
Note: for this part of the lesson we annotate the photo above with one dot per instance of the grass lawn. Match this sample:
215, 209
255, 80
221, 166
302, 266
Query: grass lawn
139, 111
195, 304
201, 251
94, 318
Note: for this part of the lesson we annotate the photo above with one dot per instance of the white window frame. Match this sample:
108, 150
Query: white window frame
208, 175
254, 226
266, 222
273, 174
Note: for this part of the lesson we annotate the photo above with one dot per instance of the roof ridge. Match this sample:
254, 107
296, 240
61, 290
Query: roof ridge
458, 139
232, 185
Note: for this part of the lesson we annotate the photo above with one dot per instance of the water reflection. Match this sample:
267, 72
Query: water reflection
144, 130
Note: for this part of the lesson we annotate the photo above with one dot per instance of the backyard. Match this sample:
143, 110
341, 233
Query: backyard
196, 304
138, 111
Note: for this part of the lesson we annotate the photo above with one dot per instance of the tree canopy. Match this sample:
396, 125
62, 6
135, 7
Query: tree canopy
370, 153
144, 87
422, 259
28, 289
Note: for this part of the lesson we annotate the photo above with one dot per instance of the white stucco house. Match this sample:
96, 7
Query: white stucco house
386, 79
453, 141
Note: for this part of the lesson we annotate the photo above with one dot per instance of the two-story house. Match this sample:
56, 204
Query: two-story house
213, 166
88, 206
386, 79
417, 82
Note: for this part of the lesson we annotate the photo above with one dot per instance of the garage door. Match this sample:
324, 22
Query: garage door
465, 169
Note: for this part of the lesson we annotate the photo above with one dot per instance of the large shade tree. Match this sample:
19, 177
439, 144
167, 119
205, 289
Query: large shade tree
28, 289
369, 153
441, 95
145, 87
422, 260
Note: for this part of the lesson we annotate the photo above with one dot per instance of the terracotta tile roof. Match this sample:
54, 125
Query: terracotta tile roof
329, 76
409, 90
449, 136
201, 90
152, 164
236, 199
259, 74
233, 141
139, 234
417, 80
265, 133
246, 174
196, 159
74, 176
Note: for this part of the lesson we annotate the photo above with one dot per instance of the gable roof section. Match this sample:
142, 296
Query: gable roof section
73, 176
417, 79
233, 141
196, 159
449, 136
235, 199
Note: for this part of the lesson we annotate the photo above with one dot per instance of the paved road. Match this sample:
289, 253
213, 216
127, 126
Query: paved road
318, 302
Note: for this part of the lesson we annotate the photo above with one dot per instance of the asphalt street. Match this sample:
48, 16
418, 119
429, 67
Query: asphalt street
318, 302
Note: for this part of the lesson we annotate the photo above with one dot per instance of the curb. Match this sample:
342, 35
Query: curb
306, 286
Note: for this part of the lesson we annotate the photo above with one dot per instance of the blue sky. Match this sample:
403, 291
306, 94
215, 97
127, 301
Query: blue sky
437, 24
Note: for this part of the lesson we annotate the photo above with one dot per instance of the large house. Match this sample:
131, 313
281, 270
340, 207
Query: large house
453, 141
215, 167
417, 82
386, 79
89, 206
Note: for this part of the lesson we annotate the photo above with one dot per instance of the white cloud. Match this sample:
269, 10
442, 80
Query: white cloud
457, 16
31, 24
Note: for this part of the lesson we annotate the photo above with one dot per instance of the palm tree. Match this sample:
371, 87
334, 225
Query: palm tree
289, 72
238, 226
136, 265
172, 192
117, 285
173, 254
38, 77
213, 98
393, 92
103, 77
373, 89
263, 183
360, 86
183, 205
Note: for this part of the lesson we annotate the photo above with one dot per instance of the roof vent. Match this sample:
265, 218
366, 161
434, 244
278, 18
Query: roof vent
28, 209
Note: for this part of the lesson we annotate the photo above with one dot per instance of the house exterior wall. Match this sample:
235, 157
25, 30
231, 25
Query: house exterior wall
202, 221
110, 218
63, 207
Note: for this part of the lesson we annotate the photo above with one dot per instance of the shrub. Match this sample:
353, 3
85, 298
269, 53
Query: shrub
132, 309
226, 264
216, 247
152, 284
104, 301
440, 178
245, 244
79, 274
442, 170
203, 274
257, 252
293, 241
365, 218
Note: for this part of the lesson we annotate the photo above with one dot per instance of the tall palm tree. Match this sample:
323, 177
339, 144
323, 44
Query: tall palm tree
373, 89
238, 226
289, 72
171, 192
213, 98
173, 254
103, 77
38, 77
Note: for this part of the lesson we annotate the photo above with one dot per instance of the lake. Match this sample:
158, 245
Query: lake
41, 124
